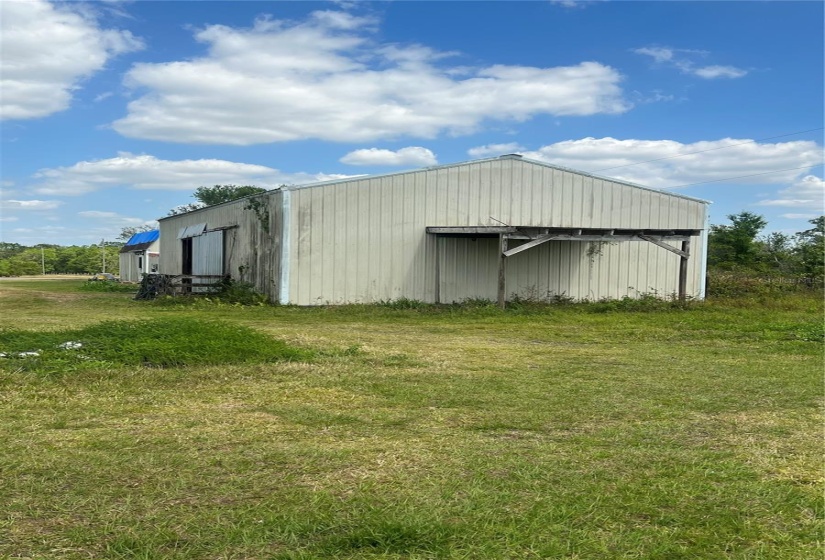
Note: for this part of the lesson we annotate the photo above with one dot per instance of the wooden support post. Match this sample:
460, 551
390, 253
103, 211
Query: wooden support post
502, 269
437, 269
683, 269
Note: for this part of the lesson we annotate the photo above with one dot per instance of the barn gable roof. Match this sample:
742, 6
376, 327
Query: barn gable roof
517, 157
476, 161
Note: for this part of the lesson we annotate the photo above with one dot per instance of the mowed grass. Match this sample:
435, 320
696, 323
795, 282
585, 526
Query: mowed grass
562, 432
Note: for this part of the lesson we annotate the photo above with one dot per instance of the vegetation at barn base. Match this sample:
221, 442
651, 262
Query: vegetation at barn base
452, 432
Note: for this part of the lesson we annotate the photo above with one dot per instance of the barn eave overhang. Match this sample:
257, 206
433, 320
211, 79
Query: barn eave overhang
528, 233
535, 236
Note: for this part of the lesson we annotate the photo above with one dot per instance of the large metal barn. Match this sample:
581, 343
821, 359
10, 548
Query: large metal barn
494, 229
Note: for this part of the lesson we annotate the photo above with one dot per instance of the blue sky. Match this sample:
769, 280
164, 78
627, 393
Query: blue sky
114, 112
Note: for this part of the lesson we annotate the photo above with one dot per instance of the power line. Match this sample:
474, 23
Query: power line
709, 149
743, 176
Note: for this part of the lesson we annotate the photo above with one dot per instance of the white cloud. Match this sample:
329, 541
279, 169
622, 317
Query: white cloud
47, 50
711, 72
799, 216
325, 78
115, 218
608, 156
807, 192
684, 61
29, 204
659, 54
97, 214
8, 219
491, 150
413, 155
149, 172
573, 3
656, 96
43, 229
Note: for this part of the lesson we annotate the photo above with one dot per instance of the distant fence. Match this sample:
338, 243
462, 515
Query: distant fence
153, 285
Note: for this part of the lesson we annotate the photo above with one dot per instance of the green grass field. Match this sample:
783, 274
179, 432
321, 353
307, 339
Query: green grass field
588, 431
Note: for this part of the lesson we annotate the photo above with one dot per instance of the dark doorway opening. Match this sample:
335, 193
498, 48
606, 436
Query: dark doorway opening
186, 270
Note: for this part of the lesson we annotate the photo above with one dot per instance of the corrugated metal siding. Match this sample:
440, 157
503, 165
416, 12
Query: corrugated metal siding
128, 268
469, 269
252, 243
207, 253
364, 240
207, 258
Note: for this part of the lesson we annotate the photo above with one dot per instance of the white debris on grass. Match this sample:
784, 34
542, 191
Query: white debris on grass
70, 345
31, 354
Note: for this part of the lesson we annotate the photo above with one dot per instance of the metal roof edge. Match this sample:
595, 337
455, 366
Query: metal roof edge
270, 191
485, 160
143, 237
516, 157
614, 180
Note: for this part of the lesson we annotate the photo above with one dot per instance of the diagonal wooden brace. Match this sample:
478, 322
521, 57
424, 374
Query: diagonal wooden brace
664, 245
530, 244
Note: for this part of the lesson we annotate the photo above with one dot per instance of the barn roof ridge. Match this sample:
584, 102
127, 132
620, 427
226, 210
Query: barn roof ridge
516, 157
485, 160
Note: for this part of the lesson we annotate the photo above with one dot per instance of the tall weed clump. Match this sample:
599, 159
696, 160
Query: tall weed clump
107, 286
240, 293
743, 284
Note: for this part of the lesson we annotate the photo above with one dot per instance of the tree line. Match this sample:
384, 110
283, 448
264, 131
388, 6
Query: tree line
19, 260
738, 247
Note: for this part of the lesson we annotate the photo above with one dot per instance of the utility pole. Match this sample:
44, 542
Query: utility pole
103, 250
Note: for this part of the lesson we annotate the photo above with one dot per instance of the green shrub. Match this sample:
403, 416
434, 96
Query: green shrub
242, 293
742, 283
404, 303
107, 286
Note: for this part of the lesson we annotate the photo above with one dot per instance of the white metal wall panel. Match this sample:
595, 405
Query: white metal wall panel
469, 269
207, 254
207, 258
364, 240
128, 268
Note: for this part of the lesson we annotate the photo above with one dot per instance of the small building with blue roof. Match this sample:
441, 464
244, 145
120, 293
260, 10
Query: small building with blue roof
140, 256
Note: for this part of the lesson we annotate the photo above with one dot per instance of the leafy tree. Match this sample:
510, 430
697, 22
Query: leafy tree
20, 266
184, 208
777, 253
735, 245
10, 249
810, 248
210, 196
